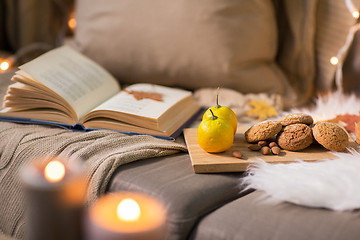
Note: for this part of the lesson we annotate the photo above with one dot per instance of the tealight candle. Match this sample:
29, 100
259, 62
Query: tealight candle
55, 196
126, 216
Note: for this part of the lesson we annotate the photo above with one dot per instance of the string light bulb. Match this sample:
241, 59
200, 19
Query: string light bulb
337, 61
355, 14
4, 65
7, 63
334, 60
72, 21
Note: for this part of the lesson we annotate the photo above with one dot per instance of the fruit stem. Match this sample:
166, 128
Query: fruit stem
217, 98
213, 117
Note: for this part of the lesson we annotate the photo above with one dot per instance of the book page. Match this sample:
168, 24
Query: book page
149, 108
76, 78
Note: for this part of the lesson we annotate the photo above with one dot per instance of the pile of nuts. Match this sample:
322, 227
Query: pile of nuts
265, 147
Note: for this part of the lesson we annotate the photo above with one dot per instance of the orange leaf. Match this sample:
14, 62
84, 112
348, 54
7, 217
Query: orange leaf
348, 120
141, 95
357, 133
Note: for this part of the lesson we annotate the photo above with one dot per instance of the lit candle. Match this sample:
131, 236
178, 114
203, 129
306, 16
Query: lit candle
55, 196
126, 216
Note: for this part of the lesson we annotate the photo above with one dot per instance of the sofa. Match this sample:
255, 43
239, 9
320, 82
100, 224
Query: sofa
284, 52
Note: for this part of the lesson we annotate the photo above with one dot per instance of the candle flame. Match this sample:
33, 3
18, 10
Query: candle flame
54, 171
128, 210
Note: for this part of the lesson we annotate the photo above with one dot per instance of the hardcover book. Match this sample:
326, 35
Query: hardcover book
65, 88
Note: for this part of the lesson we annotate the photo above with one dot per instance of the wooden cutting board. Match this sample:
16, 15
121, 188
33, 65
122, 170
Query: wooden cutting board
204, 162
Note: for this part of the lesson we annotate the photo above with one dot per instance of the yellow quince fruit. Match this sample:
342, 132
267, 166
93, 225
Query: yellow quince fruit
222, 112
215, 134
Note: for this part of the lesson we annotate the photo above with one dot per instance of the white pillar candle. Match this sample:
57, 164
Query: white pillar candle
54, 200
126, 216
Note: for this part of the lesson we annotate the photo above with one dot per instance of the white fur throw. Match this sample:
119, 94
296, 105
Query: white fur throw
328, 107
332, 184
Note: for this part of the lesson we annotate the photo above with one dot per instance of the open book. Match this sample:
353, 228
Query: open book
64, 88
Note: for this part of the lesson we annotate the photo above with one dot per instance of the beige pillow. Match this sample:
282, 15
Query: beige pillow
184, 43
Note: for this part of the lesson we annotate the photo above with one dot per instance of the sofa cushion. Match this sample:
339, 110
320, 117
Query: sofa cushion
251, 218
184, 43
187, 196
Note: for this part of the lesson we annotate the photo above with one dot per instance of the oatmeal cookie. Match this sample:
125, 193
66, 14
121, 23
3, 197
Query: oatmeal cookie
295, 137
296, 118
331, 136
262, 131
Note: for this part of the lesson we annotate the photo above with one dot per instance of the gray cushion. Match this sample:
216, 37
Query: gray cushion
186, 195
249, 218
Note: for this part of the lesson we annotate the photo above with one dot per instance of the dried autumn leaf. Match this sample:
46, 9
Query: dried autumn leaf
357, 132
142, 95
348, 121
261, 110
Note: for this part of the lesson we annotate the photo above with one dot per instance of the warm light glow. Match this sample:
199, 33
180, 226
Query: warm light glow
54, 171
128, 210
334, 60
126, 213
4, 65
355, 14
72, 21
